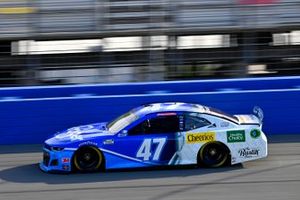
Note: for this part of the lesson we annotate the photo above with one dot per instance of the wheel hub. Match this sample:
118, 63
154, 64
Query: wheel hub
212, 152
87, 159
214, 155
87, 156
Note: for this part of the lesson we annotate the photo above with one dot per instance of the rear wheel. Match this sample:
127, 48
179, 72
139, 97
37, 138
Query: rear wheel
214, 154
88, 159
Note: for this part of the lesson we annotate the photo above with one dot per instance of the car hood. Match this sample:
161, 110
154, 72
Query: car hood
81, 133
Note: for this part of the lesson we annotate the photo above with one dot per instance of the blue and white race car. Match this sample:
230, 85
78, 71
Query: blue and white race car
158, 134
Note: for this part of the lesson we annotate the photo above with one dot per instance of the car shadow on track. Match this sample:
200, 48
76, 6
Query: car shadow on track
31, 174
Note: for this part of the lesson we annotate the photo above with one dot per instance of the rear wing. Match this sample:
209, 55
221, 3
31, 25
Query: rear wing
258, 112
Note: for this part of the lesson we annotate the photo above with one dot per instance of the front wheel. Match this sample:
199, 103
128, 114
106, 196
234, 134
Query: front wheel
88, 159
213, 154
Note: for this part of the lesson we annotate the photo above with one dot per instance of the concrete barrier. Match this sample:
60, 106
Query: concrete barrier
31, 114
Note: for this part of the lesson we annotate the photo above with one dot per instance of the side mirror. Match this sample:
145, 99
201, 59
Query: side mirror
123, 133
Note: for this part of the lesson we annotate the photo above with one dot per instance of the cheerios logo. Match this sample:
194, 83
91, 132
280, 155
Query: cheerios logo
200, 137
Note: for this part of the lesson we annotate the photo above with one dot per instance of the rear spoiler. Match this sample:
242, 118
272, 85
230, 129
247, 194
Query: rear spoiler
258, 112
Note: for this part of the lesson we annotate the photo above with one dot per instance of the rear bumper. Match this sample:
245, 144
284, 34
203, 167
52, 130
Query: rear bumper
251, 149
265, 144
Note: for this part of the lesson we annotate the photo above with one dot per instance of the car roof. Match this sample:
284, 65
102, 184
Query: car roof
182, 107
170, 107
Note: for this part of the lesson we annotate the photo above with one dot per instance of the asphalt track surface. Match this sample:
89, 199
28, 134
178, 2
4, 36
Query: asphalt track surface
276, 177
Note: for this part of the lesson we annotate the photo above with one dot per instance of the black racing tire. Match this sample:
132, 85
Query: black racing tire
88, 159
213, 155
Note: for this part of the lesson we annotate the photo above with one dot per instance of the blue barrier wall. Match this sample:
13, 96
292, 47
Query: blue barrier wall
31, 114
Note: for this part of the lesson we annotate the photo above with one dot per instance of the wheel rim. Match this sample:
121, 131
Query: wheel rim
214, 155
87, 159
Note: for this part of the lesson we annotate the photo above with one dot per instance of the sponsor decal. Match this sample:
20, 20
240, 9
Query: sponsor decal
236, 136
248, 152
200, 137
65, 160
88, 143
233, 159
108, 141
255, 133
65, 167
69, 135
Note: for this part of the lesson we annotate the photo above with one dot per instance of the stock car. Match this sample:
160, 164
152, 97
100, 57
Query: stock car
158, 134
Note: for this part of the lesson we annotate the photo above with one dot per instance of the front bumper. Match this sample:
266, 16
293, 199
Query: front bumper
56, 161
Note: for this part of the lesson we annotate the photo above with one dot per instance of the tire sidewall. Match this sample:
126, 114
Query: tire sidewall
223, 162
99, 166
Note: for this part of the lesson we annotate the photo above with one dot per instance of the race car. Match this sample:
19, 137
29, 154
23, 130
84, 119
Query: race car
158, 134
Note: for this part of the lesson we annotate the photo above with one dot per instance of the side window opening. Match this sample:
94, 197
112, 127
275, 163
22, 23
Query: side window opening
194, 121
159, 124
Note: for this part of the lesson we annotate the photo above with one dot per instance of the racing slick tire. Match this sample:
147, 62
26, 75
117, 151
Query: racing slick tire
213, 155
88, 159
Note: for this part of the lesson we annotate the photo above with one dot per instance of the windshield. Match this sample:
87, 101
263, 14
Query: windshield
223, 114
121, 122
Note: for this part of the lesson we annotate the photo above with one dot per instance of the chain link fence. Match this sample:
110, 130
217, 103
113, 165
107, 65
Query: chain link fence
101, 41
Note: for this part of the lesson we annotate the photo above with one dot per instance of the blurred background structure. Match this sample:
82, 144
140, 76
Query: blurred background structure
45, 42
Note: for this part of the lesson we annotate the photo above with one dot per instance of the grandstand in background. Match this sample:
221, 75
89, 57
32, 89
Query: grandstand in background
100, 41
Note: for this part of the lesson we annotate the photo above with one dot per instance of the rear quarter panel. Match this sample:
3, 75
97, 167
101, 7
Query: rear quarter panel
243, 144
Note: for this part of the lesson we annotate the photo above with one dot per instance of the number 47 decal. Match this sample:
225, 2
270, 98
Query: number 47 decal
144, 151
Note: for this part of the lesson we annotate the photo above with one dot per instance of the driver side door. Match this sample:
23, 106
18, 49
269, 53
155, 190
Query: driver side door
158, 133
151, 141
